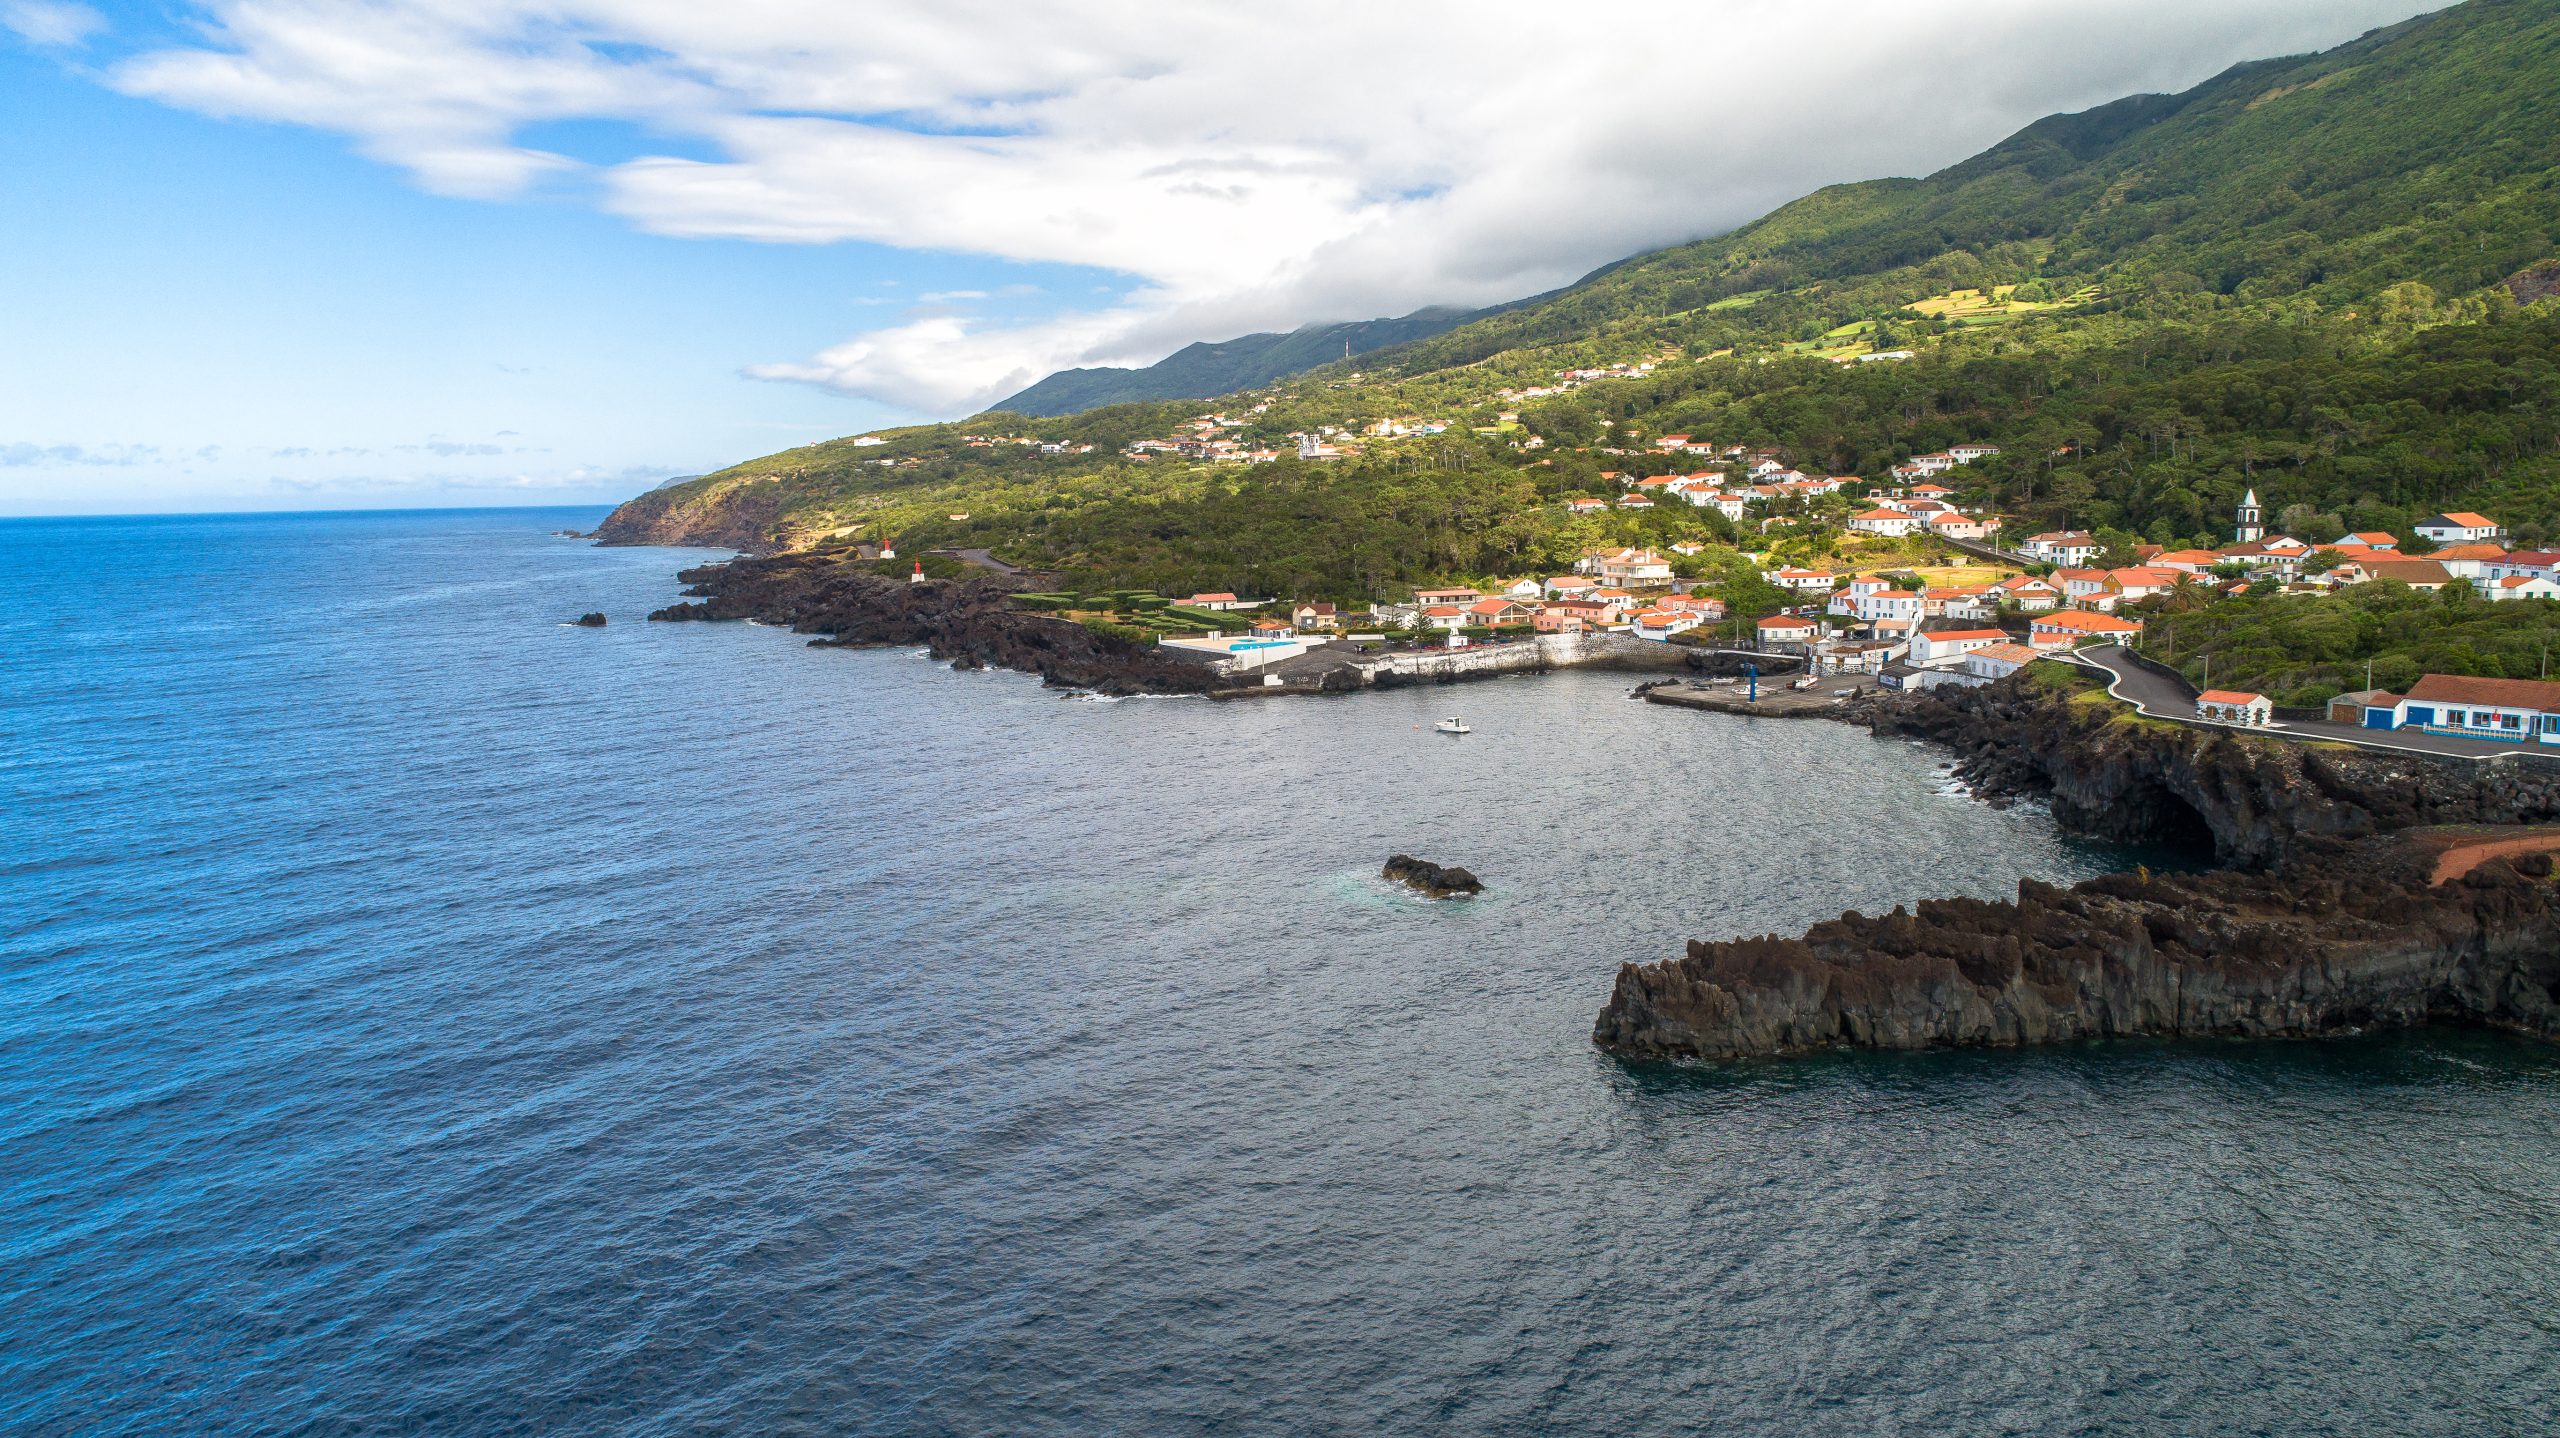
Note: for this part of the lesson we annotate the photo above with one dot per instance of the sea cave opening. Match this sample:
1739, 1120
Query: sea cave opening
2155, 818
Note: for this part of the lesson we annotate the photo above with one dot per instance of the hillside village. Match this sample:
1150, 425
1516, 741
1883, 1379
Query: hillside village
1978, 618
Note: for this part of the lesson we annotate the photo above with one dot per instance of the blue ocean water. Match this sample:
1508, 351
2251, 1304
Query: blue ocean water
417, 1016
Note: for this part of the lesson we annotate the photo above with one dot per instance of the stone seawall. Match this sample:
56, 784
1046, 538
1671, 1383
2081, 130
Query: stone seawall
1547, 651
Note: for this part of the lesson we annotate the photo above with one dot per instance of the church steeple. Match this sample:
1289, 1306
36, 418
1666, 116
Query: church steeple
2250, 529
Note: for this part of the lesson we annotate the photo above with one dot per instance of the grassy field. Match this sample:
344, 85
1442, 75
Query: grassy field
1996, 306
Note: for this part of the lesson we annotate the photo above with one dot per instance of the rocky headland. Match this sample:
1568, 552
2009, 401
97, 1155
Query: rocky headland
968, 622
2248, 800
2349, 935
2358, 889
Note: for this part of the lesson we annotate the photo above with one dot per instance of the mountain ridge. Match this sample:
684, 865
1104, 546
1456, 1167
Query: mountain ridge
1209, 368
2322, 276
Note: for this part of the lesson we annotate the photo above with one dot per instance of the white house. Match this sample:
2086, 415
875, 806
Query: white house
1950, 646
2523, 586
1803, 581
2071, 628
1891, 523
1999, 661
2066, 546
2235, 706
1968, 453
1782, 632
1948, 524
1628, 568
2522, 710
2029, 593
1728, 505
1663, 623
2460, 527
1880, 605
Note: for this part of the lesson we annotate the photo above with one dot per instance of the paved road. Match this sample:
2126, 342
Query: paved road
980, 558
2162, 697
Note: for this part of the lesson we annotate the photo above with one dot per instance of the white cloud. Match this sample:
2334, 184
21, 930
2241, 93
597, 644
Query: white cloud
50, 23
1246, 166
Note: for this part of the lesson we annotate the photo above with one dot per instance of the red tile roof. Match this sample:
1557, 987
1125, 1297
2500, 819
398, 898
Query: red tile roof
2228, 696
2504, 693
2086, 622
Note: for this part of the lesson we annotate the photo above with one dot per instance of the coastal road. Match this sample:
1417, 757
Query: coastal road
2158, 696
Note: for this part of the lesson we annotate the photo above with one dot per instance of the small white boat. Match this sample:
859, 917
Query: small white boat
1451, 725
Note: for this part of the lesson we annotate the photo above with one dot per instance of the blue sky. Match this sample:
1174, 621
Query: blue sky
229, 314
341, 253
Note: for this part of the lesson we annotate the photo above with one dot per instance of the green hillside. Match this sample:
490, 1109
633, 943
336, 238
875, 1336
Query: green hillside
2303, 275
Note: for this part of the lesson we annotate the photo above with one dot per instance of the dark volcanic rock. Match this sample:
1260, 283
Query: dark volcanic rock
1430, 878
2347, 935
967, 621
590, 620
2325, 920
2249, 800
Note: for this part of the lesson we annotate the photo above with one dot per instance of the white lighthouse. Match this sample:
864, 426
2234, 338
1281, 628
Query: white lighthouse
2251, 529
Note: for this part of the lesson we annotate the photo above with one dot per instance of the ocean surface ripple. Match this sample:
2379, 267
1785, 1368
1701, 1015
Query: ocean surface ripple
417, 1016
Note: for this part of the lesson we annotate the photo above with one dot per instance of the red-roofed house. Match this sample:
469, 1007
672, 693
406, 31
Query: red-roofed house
2030, 594
2071, 628
1782, 632
2141, 582
2522, 710
1999, 661
2234, 706
1950, 646
2460, 527
2523, 586
1661, 623
1891, 523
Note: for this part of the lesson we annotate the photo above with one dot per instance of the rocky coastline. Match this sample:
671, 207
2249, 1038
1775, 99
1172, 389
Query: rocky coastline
2349, 935
2332, 910
967, 622
847, 602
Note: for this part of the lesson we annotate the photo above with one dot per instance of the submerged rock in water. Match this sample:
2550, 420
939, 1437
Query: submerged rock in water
590, 620
1430, 878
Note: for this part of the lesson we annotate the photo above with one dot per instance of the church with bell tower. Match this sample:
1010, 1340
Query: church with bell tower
2251, 528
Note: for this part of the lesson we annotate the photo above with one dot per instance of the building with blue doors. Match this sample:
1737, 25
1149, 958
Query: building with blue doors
2520, 711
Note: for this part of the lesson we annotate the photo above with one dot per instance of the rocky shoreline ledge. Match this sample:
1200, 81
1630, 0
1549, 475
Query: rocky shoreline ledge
2335, 910
969, 623
965, 621
2349, 936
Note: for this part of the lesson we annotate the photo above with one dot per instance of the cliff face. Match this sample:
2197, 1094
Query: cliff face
744, 517
965, 621
2328, 916
2255, 801
2350, 935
